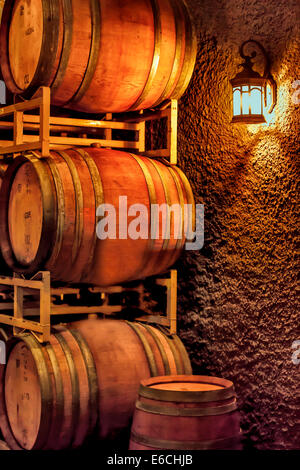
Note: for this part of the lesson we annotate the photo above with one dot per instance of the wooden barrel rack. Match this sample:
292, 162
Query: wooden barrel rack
45, 131
48, 130
33, 304
35, 307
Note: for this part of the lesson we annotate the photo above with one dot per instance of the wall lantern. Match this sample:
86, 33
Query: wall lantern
253, 94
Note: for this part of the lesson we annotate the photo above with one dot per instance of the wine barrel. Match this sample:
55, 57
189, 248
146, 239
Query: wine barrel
84, 380
49, 218
186, 413
98, 55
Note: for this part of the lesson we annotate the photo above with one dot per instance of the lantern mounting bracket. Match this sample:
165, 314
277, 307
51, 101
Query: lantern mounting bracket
248, 66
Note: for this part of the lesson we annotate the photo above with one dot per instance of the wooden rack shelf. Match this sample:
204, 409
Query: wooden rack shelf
22, 298
35, 132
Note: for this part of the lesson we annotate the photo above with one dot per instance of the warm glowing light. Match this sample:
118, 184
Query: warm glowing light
248, 104
267, 154
280, 114
256, 100
237, 101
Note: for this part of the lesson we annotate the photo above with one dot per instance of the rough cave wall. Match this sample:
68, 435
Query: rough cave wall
237, 296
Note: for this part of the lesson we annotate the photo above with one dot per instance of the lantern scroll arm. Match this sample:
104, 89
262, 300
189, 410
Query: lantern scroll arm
267, 70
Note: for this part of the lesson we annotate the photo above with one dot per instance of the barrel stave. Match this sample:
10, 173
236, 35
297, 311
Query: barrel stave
118, 346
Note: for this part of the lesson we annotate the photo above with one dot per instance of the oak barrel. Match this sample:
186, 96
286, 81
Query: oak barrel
49, 218
186, 413
85, 380
98, 55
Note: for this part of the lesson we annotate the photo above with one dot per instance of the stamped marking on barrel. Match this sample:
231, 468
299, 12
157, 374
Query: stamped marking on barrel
22, 366
25, 214
29, 31
24, 40
25, 396
27, 217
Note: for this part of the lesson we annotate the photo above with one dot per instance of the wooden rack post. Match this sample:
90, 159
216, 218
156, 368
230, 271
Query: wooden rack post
40, 282
170, 321
20, 142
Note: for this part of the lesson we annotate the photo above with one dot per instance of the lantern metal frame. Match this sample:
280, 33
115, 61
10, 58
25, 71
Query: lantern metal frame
252, 80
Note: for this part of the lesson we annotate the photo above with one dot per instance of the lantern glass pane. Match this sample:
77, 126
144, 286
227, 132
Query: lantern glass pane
269, 96
256, 100
236, 101
246, 100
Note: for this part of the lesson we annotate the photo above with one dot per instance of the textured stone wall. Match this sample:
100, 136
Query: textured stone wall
238, 309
